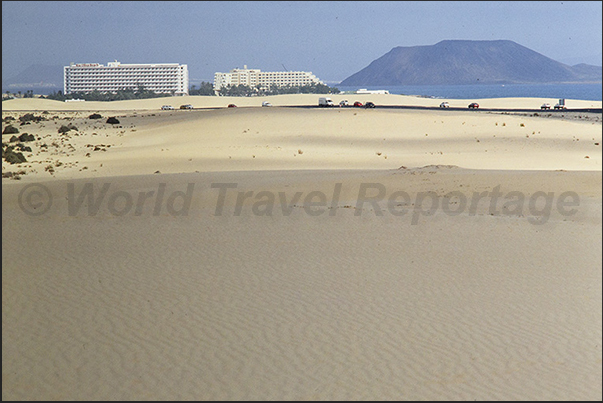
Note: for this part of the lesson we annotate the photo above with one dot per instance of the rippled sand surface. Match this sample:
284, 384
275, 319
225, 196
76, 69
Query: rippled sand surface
293, 300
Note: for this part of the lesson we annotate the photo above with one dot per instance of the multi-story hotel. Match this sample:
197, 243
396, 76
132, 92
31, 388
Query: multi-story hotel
161, 78
254, 77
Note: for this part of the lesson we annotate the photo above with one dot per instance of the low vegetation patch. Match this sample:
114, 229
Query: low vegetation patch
65, 129
30, 117
10, 129
26, 137
11, 156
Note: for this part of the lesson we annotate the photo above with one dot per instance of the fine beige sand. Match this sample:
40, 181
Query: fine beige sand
300, 280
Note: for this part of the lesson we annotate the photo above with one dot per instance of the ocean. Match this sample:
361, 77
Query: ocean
589, 92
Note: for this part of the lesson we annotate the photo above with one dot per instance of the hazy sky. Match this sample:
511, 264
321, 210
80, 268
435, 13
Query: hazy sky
332, 39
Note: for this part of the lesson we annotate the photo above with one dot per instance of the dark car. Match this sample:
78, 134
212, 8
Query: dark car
473, 105
369, 104
187, 106
232, 106
357, 103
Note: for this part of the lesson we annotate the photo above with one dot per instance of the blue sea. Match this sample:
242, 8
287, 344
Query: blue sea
589, 92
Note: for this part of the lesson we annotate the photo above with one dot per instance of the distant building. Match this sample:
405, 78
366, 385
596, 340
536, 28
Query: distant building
161, 78
254, 77
365, 91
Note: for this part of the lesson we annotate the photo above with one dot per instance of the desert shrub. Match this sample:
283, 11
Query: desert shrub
14, 139
26, 137
13, 175
13, 157
95, 116
113, 120
27, 117
10, 129
64, 129
30, 117
23, 147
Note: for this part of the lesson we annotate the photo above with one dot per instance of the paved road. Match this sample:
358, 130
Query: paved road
433, 108
437, 108
584, 110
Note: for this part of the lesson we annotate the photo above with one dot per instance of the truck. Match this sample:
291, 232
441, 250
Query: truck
325, 102
561, 104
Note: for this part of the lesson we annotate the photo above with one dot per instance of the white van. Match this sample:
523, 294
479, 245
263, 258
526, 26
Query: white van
325, 102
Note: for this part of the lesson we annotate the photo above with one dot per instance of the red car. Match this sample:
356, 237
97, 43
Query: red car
357, 103
232, 106
473, 105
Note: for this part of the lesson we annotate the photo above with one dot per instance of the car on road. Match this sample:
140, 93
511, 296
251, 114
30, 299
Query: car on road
167, 108
357, 103
444, 105
559, 106
266, 103
369, 104
545, 106
344, 103
473, 105
187, 106
232, 106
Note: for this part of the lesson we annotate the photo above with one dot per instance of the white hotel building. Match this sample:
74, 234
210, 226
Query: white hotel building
162, 78
254, 77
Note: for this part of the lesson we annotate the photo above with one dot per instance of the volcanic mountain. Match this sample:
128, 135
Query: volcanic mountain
456, 62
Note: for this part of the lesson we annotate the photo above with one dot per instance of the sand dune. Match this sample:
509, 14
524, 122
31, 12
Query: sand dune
35, 104
238, 139
299, 284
